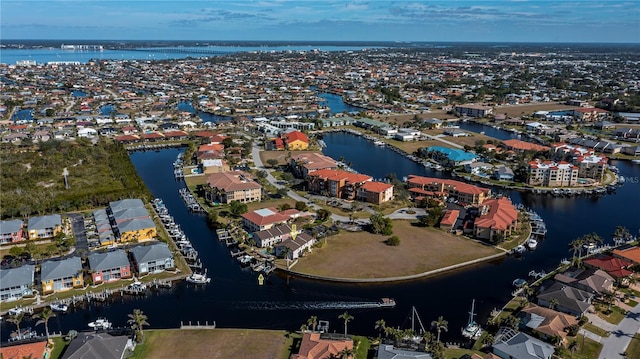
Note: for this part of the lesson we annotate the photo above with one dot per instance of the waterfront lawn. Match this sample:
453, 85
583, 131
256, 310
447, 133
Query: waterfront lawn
59, 345
193, 181
587, 349
413, 146
455, 353
212, 343
420, 250
633, 350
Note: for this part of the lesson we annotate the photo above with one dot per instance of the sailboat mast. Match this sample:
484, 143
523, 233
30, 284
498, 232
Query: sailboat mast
471, 313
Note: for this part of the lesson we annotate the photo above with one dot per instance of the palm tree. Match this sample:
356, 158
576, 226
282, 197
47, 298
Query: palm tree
440, 324
16, 319
486, 339
381, 326
137, 320
44, 317
347, 318
428, 339
312, 322
553, 303
621, 232
573, 346
347, 353
285, 252
608, 298
576, 247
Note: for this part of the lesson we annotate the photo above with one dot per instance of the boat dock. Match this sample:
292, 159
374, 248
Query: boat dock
190, 200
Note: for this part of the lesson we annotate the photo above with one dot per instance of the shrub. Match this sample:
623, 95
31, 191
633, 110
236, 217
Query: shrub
393, 241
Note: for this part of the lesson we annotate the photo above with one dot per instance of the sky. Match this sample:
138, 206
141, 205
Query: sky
328, 20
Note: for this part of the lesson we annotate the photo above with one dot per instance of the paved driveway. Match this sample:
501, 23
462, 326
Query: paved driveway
77, 225
621, 336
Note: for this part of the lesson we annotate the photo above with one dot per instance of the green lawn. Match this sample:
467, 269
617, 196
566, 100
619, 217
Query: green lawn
596, 330
614, 317
58, 346
455, 353
633, 350
587, 349
363, 346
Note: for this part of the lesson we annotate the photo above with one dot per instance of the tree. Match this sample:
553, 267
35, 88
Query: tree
16, 319
227, 142
573, 346
138, 320
440, 324
312, 322
553, 303
44, 317
380, 326
347, 353
486, 338
347, 318
393, 241
272, 162
301, 206
381, 224
283, 207
237, 208
322, 214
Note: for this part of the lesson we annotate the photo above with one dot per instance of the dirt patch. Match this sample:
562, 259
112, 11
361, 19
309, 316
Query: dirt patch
365, 255
216, 343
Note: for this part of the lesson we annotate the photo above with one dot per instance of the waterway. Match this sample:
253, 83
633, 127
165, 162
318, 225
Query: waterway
336, 104
235, 299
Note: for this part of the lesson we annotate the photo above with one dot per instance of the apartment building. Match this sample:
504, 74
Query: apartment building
444, 188
225, 187
552, 174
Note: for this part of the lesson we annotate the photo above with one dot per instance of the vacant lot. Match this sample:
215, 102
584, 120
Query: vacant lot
216, 343
521, 110
280, 156
365, 255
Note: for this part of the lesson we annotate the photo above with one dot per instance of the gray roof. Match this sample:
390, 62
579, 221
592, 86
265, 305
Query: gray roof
136, 224
100, 215
386, 351
96, 345
154, 252
128, 213
11, 226
108, 260
60, 269
125, 203
568, 297
44, 222
274, 231
523, 346
16, 277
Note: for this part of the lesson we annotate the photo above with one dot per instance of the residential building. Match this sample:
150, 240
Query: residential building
272, 236
226, 187
152, 258
305, 163
15, 283
617, 268
131, 221
546, 322
445, 188
316, 345
374, 192
262, 219
296, 141
593, 280
510, 344
336, 183
481, 169
569, 299
214, 166
450, 156
449, 219
35, 350
388, 351
518, 145
590, 114
497, 219
98, 345
503, 173
44, 226
472, 110
297, 247
106, 237
61, 275
631, 254
552, 174
11, 231
592, 167
109, 266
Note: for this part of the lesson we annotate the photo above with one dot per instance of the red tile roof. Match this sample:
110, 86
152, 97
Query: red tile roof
295, 135
616, 267
127, 138
632, 254
457, 185
376, 187
31, 350
337, 175
256, 218
152, 135
450, 217
315, 347
232, 181
524, 146
500, 214
175, 134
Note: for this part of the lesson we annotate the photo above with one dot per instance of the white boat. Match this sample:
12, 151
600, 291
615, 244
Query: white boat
472, 330
100, 324
387, 303
519, 249
637, 162
519, 282
15, 311
379, 143
198, 278
531, 243
59, 307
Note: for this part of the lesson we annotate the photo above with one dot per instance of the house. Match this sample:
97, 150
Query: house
590, 114
593, 280
109, 266
472, 110
132, 220
276, 234
388, 351
226, 187
374, 192
216, 165
481, 169
11, 231
503, 173
569, 299
450, 156
305, 163
316, 345
614, 266
296, 248
36, 350
604, 125
262, 219
15, 283
44, 226
336, 183
433, 123
498, 218
445, 188
547, 322
296, 141
152, 258
630, 254
449, 219
510, 344
521, 146
61, 275
455, 132
98, 345
106, 237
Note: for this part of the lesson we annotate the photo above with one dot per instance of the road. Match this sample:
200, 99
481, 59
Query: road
621, 336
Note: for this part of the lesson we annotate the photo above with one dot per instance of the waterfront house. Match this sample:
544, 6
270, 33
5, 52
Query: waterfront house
11, 231
548, 323
616, 267
44, 226
34, 350
449, 156
131, 220
262, 219
305, 163
336, 183
106, 237
449, 219
225, 187
511, 344
481, 169
631, 254
98, 345
152, 258
276, 234
109, 266
374, 192
295, 140
503, 173
552, 174
61, 275
594, 281
433, 123
15, 283
315, 345
473, 110
456, 132
570, 300
297, 247
388, 351
498, 218
521, 146
209, 166
445, 188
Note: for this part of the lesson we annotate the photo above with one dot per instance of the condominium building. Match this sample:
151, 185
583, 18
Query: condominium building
336, 183
552, 174
444, 188
226, 187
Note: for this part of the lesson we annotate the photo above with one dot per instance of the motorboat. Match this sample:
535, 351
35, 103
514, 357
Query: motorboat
473, 329
15, 311
59, 307
531, 243
100, 324
198, 278
519, 249
519, 282
379, 143
637, 162
387, 303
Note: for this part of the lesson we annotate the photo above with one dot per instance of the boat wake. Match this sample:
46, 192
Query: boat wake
305, 305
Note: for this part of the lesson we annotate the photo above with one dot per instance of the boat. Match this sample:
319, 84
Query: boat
637, 162
519, 249
387, 303
519, 282
472, 330
379, 143
15, 311
531, 243
198, 278
59, 307
100, 324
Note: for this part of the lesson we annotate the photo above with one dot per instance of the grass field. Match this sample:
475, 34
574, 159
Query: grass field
633, 350
420, 250
587, 349
216, 343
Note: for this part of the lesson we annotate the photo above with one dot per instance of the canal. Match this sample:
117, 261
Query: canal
235, 299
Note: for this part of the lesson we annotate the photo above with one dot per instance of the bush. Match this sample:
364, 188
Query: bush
393, 241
